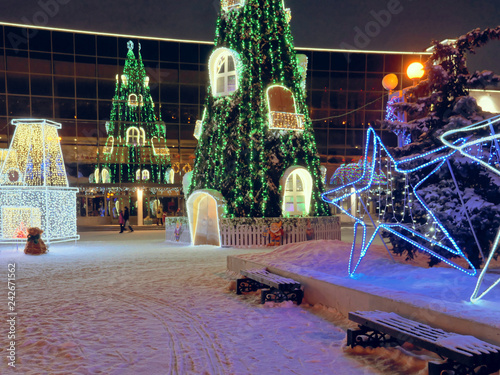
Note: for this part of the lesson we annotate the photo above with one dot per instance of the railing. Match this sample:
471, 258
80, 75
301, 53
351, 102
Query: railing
286, 121
252, 235
231, 4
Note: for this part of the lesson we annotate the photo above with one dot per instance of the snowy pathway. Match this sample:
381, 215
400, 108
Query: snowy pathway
132, 304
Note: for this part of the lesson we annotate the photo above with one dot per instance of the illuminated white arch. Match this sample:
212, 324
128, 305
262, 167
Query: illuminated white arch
124, 79
105, 176
203, 207
132, 100
145, 175
110, 144
138, 175
296, 190
97, 175
146, 81
224, 67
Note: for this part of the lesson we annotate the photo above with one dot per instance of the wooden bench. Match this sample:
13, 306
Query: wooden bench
274, 287
464, 354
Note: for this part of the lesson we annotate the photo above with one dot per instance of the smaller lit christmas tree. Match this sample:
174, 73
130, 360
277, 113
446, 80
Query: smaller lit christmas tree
136, 148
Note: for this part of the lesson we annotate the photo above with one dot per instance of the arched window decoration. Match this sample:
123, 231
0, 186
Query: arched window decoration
282, 110
138, 175
169, 176
146, 81
132, 100
97, 175
110, 142
159, 146
135, 137
228, 5
297, 192
223, 72
124, 79
145, 175
105, 176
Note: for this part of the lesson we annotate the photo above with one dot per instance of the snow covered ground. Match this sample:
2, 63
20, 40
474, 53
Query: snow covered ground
132, 304
440, 288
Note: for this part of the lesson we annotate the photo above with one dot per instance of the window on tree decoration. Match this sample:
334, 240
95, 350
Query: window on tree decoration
142, 175
146, 81
228, 5
97, 176
124, 79
108, 148
160, 146
223, 72
135, 137
282, 110
297, 189
105, 176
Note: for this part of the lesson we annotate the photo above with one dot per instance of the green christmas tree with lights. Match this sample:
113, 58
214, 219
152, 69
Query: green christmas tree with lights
255, 124
135, 149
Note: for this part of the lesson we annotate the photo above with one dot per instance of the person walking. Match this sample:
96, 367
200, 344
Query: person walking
159, 216
121, 220
126, 217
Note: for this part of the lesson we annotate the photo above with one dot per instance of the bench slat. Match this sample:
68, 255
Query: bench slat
265, 277
450, 345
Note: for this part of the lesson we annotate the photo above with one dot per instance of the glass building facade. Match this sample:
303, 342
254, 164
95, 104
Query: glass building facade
69, 76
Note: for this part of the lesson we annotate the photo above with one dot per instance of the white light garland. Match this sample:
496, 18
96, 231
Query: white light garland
464, 149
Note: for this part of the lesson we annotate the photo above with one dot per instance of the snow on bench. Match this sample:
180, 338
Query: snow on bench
274, 287
465, 354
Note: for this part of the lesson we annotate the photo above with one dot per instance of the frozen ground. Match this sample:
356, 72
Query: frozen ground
132, 304
440, 288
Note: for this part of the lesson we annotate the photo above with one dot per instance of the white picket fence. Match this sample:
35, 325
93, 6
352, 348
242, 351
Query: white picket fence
252, 235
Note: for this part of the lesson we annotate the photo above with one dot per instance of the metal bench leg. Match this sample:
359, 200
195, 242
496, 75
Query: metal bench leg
247, 285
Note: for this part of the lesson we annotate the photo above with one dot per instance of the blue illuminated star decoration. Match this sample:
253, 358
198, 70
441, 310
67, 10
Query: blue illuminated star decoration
493, 164
365, 183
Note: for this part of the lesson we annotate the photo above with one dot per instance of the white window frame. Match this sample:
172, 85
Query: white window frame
306, 192
218, 58
137, 138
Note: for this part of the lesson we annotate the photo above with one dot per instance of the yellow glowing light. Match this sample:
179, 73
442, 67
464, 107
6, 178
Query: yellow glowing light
390, 81
33, 184
415, 70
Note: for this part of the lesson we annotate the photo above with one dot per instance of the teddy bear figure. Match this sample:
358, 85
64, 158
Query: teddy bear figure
34, 242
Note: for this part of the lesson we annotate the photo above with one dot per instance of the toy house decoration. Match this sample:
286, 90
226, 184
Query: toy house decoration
256, 145
34, 188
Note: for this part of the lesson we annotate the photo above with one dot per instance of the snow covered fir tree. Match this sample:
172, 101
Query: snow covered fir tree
256, 148
437, 104
135, 149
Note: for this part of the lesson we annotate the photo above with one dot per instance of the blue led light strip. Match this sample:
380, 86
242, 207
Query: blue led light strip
464, 149
397, 229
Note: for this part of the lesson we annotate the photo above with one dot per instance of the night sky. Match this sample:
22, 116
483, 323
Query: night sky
315, 23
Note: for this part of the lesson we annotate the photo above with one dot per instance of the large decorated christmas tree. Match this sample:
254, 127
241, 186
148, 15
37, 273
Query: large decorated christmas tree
256, 143
135, 149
